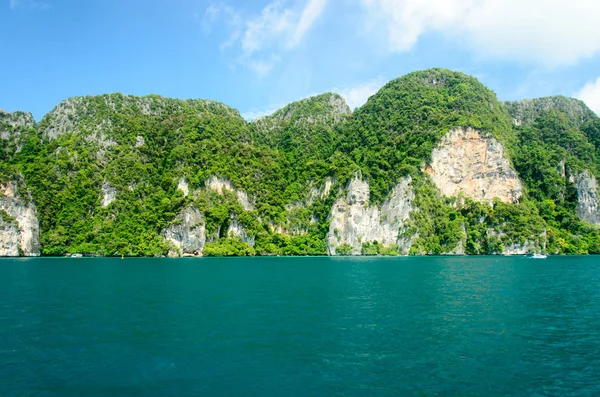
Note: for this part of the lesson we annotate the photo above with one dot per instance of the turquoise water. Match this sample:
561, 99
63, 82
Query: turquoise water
300, 327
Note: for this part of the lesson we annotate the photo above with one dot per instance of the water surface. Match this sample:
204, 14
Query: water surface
300, 327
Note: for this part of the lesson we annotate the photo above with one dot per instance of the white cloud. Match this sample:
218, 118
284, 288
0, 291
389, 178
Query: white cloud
264, 30
230, 17
262, 39
357, 96
28, 5
354, 96
257, 114
311, 12
262, 66
547, 32
590, 94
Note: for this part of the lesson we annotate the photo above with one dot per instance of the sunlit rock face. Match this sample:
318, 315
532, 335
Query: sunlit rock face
220, 184
187, 233
588, 197
19, 225
468, 162
354, 221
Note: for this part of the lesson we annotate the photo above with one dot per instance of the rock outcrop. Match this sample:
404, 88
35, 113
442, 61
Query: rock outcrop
469, 162
525, 112
235, 228
354, 221
109, 194
81, 113
19, 225
12, 126
187, 233
219, 185
332, 106
588, 197
529, 246
183, 186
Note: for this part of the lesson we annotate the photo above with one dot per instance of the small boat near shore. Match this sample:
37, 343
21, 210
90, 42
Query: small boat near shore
539, 256
76, 256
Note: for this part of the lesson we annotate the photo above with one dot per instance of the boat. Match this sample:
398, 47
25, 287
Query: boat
76, 255
539, 256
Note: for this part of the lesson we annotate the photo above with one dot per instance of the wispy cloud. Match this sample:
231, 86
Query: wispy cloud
543, 32
28, 5
358, 95
257, 114
590, 94
355, 96
261, 40
311, 12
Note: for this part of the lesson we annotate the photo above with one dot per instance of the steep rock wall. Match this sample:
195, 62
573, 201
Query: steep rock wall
187, 233
12, 127
588, 197
475, 165
19, 225
354, 222
237, 229
220, 184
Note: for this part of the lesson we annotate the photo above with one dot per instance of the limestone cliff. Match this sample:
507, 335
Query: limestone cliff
187, 233
19, 226
236, 228
525, 112
220, 185
12, 127
474, 164
354, 221
529, 246
109, 194
95, 114
588, 197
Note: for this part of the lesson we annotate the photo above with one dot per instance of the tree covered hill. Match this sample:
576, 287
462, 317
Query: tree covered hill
117, 174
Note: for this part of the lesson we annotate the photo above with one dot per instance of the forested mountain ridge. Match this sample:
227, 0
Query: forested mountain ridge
431, 164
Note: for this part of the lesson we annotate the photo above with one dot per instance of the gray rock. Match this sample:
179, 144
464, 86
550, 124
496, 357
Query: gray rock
588, 197
354, 221
23, 232
187, 233
109, 194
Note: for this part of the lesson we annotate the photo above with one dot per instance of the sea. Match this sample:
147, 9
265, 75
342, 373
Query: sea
306, 326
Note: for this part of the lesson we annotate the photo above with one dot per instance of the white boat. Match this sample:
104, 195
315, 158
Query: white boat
539, 256
76, 256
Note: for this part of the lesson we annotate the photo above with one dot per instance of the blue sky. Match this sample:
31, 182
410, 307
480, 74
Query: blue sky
259, 55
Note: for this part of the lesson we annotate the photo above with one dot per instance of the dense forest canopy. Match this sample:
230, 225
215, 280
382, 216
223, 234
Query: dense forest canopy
105, 172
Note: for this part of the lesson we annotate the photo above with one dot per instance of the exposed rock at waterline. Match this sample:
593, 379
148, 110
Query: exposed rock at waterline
19, 225
354, 221
187, 233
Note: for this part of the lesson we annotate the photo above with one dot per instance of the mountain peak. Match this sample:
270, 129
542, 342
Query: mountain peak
314, 109
524, 112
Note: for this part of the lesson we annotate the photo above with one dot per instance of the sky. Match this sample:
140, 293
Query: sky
259, 55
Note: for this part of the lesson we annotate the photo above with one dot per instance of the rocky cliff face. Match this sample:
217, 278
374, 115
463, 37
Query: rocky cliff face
354, 221
468, 162
588, 197
187, 233
19, 226
12, 126
109, 194
332, 107
94, 113
236, 228
525, 112
219, 185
